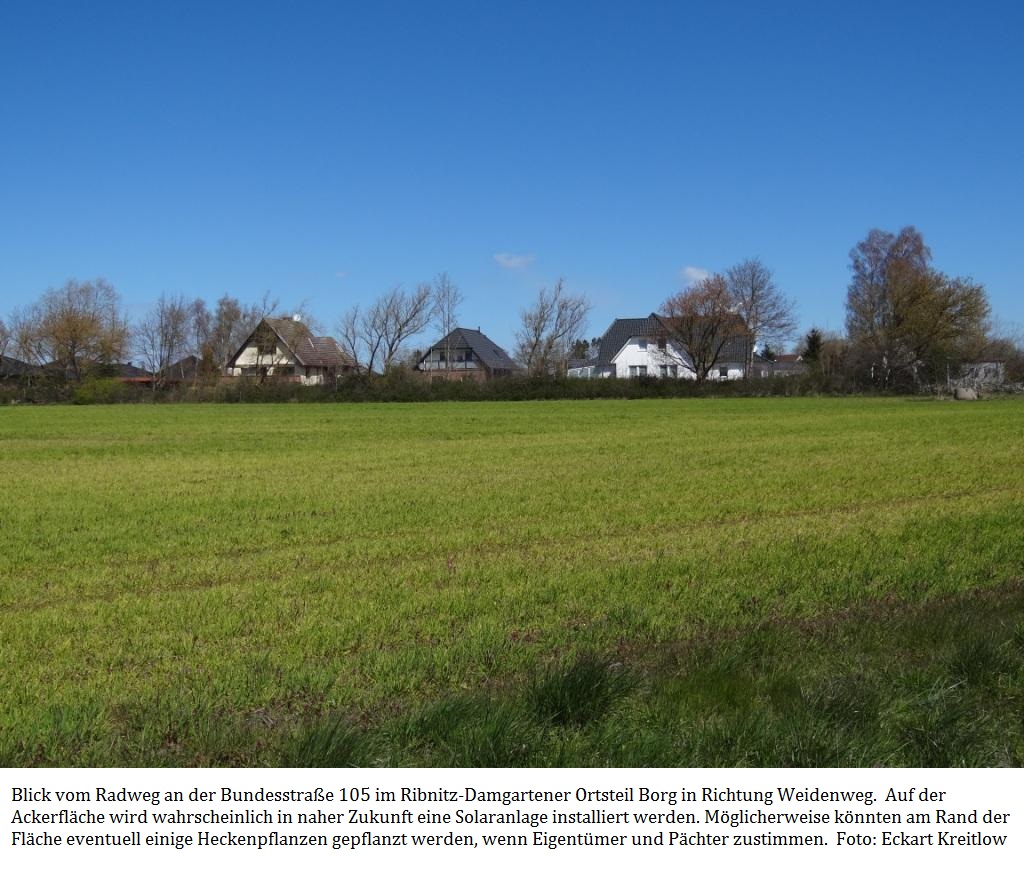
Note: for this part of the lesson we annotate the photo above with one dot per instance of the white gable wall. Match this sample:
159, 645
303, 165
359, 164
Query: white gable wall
640, 353
250, 361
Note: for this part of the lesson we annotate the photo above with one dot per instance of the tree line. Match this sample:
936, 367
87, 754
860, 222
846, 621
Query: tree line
907, 324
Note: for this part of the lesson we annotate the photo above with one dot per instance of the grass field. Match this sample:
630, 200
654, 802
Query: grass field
814, 582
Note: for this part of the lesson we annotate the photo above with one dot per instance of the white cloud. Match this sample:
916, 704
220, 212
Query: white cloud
510, 261
691, 274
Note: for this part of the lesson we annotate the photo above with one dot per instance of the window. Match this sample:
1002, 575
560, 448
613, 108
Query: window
662, 342
642, 343
723, 372
663, 370
673, 370
637, 370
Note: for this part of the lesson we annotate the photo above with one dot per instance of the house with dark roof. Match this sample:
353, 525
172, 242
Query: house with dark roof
784, 365
465, 354
11, 368
186, 370
128, 372
648, 347
285, 349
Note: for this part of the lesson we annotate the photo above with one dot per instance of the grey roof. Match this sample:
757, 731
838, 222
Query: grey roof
11, 367
484, 349
652, 327
621, 330
128, 371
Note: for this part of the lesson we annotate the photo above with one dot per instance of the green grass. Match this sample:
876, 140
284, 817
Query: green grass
715, 582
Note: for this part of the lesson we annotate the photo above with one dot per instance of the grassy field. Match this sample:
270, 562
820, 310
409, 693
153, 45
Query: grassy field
813, 582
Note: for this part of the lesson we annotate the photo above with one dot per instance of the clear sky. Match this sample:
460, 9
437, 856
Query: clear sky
327, 151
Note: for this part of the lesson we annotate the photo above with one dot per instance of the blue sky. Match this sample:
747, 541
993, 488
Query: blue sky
327, 151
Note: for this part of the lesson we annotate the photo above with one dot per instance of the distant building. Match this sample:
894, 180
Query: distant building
646, 347
186, 370
11, 368
285, 349
783, 365
465, 354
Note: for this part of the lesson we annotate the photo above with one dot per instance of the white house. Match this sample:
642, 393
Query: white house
285, 349
645, 347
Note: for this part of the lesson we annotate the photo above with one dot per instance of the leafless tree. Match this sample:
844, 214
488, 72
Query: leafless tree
164, 333
375, 337
701, 320
769, 315
445, 300
78, 326
549, 328
350, 336
5, 338
232, 323
903, 318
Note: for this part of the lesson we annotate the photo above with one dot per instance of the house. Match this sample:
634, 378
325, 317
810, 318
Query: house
465, 354
783, 365
127, 372
186, 370
285, 349
646, 347
11, 368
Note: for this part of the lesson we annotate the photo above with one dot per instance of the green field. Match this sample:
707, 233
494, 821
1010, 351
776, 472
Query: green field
815, 582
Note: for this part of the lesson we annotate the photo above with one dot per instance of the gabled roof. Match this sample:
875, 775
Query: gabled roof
654, 326
128, 371
184, 369
309, 350
621, 330
11, 367
484, 349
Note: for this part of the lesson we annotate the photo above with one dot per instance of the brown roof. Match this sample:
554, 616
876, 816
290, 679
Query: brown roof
309, 350
321, 353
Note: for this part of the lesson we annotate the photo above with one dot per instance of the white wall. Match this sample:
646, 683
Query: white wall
639, 353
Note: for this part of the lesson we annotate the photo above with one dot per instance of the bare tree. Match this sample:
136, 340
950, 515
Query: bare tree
446, 300
374, 338
163, 334
702, 321
78, 326
548, 329
905, 319
232, 324
768, 314
350, 336
5, 338
404, 316
25, 336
